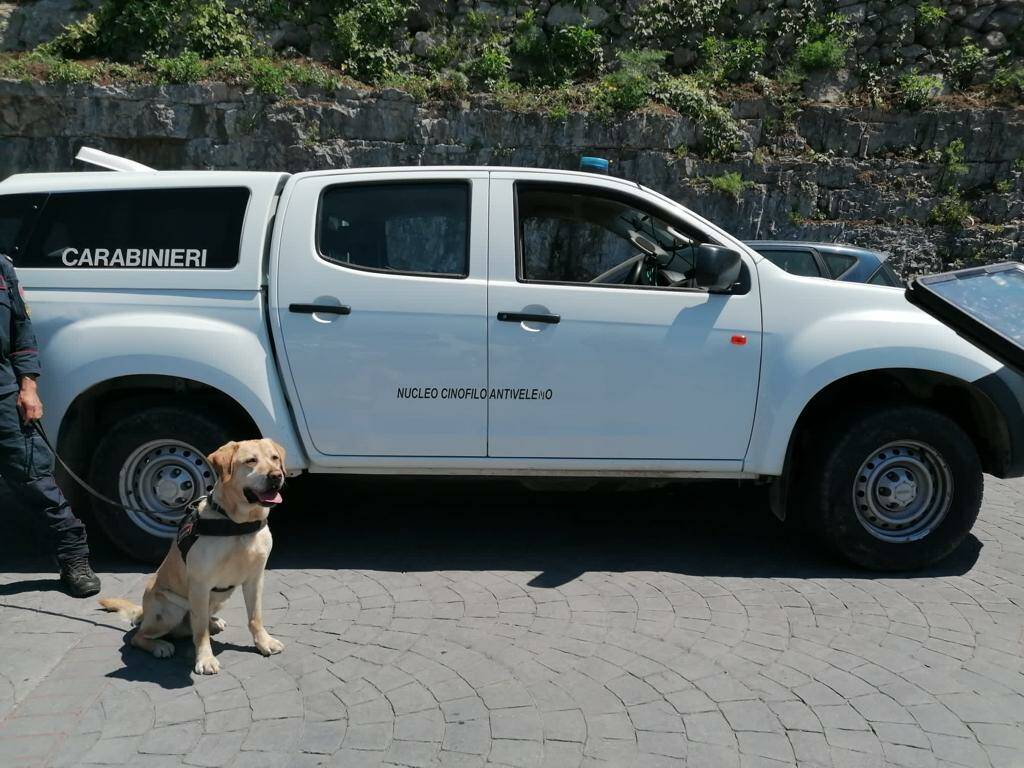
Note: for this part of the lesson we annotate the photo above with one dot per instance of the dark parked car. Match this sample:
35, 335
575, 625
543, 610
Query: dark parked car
831, 260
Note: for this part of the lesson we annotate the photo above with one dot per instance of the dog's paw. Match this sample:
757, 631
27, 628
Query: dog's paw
163, 649
207, 666
217, 625
269, 645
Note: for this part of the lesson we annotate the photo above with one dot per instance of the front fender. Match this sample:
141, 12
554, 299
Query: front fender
227, 356
798, 364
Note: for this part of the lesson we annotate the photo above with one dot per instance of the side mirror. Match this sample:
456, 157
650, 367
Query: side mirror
717, 268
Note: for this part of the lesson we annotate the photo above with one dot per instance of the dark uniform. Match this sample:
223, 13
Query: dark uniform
25, 461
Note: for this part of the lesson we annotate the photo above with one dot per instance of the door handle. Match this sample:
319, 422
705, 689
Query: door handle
325, 309
527, 317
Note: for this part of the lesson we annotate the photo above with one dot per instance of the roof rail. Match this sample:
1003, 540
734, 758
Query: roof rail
108, 161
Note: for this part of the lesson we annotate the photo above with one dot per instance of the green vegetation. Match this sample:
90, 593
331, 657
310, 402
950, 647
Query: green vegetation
361, 38
953, 164
1003, 186
632, 84
950, 211
720, 133
1010, 80
570, 52
962, 67
734, 59
492, 65
914, 92
930, 16
824, 50
127, 30
730, 183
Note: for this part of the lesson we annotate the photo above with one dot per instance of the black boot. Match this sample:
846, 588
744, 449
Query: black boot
78, 579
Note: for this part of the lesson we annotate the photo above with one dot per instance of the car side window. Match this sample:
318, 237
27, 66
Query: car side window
574, 234
418, 228
838, 263
17, 217
181, 228
796, 262
885, 276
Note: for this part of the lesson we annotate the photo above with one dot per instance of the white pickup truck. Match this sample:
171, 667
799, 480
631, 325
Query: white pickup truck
489, 321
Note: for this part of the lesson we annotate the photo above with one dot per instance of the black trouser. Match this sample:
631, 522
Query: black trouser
27, 466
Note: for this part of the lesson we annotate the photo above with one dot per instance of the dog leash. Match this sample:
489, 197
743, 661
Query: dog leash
38, 426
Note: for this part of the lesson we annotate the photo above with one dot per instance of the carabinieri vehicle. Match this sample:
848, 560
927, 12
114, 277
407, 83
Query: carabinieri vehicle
489, 321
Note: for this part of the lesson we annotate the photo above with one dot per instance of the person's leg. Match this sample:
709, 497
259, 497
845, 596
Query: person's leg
27, 466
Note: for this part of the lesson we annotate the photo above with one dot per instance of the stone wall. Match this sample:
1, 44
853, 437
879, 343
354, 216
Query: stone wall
854, 175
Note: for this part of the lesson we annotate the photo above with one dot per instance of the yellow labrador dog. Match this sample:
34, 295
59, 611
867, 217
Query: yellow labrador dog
222, 543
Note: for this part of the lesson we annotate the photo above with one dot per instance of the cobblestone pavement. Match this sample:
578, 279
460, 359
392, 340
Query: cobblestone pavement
437, 624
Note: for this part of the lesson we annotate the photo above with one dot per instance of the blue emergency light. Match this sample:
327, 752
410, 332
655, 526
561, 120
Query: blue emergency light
594, 164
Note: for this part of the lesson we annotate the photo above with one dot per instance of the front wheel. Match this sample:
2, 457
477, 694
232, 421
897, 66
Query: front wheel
899, 488
155, 461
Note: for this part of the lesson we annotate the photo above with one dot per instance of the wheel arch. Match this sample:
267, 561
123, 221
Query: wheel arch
110, 399
964, 402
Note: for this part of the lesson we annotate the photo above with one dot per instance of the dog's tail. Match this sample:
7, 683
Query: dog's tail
125, 608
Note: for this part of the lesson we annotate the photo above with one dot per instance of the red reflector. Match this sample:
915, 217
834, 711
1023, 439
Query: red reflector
739, 339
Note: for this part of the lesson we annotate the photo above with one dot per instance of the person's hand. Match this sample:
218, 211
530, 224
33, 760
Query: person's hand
30, 407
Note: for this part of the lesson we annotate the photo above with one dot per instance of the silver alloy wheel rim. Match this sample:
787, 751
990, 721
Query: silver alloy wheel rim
163, 477
902, 491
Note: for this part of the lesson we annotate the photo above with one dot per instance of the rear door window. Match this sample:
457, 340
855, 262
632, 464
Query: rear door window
416, 228
183, 228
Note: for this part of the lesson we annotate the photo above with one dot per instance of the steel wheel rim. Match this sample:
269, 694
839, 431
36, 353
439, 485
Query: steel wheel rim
902, 491
163, 477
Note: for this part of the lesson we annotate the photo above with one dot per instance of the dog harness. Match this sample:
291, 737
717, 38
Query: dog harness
192, 526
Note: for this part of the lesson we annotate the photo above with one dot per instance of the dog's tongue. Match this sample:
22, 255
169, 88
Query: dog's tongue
269, 497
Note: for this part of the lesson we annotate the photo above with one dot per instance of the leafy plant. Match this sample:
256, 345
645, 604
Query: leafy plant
964, 64
719, 132
362, 36
953, 163
914, 92
629, 87
730, 183
574, 51
732, 59
825, 49
491, 65
657, 20
1003, 186
930, 16
187, 67
64, 71
950, 211
1009, 79
127, 30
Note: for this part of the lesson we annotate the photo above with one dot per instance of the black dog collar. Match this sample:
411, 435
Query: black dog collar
192, 526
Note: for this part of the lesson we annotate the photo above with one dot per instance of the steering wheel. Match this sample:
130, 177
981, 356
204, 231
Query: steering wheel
638, 270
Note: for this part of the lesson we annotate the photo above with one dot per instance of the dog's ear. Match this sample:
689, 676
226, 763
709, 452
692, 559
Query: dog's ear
222, 459
279, 450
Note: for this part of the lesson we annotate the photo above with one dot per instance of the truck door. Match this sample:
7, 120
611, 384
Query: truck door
588, 358
378, 294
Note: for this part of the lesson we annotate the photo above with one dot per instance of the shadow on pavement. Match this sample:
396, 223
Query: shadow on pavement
704, 529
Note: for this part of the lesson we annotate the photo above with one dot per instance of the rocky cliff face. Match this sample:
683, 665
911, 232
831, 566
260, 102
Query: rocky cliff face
867, 177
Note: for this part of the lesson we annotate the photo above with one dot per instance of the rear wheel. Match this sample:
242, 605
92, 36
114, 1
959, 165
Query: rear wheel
155, 461
898, 488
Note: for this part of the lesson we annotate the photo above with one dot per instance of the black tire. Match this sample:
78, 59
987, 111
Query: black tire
831, 478
197, 428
